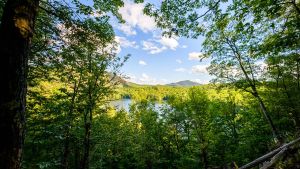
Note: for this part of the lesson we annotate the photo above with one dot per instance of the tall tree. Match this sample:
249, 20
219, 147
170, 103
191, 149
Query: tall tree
16, 31
232, 38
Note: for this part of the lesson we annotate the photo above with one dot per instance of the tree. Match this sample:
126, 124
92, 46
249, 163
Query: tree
16, 32
198, 112
82, 68
233, 36
231, 45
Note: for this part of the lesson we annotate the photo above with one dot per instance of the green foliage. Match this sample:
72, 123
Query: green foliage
72, 63
157, 93
198, 126
71, 77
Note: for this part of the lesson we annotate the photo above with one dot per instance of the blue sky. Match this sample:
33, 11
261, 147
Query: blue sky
156, 59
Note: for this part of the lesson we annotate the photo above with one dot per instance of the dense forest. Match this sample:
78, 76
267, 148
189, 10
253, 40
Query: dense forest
60, 70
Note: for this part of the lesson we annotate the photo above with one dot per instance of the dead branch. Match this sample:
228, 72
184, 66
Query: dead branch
275, 154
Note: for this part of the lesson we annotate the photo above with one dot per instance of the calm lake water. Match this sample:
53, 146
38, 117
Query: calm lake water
121, 104
125, 104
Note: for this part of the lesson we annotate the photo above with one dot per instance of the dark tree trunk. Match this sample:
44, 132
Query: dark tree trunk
16, 31
88, 117
149, 164
76, 155
66, 152
204, 157
86, 144
69, 115
298, 74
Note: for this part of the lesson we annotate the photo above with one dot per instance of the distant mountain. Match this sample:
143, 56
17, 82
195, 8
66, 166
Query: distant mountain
184, 83
123, 82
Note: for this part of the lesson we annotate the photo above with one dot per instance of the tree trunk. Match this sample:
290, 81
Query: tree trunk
69, 114
251, 82
16, 31
86, 144
88, 117
298, 74
204, 157
66, 152
268, 118
76, 156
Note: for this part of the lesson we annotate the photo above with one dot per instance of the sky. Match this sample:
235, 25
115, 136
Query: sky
155, 59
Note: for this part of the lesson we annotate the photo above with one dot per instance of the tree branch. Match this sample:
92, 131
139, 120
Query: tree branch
269, 155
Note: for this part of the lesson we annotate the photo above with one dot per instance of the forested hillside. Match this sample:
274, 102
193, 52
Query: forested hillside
208, 126
61, 67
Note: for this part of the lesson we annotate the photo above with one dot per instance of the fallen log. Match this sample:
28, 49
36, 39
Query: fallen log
271, 154
276, 158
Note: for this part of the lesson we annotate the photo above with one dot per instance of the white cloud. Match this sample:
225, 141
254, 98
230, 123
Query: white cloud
155, 46
156, 34
152, 47
145, 79
133, 14
180, 70
123, 42
195, 55
164, 81
179, 61
171, 43
127, 29
120, 42
145, 76
141, 62
201, 81
199, 69
184, 46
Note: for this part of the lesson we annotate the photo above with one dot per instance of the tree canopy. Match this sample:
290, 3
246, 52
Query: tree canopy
61, 58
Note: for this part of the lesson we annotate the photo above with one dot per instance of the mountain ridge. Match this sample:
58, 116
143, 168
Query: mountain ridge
187, 83
182, 83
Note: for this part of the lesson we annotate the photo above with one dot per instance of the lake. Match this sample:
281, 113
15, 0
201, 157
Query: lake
121, 104
125, 104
